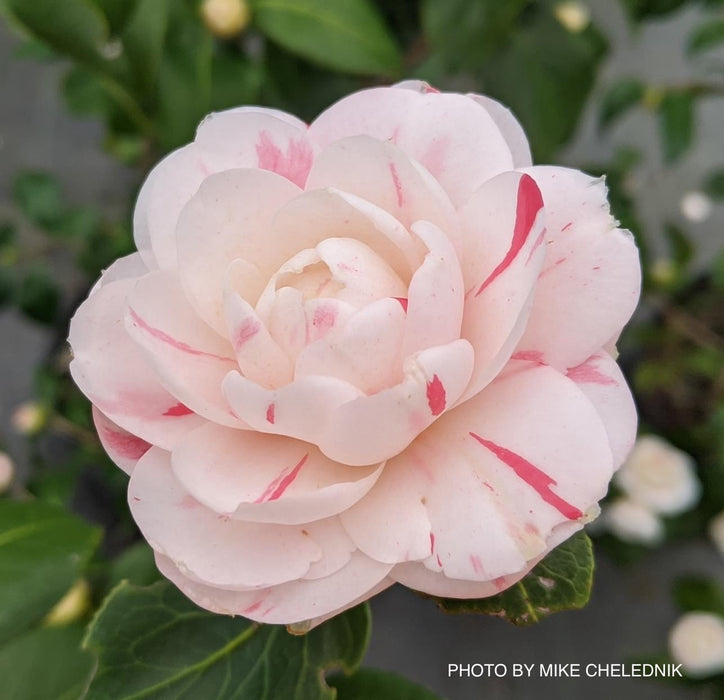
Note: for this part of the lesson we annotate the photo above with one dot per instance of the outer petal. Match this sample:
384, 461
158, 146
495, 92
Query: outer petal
501, 234
450, 135
218, 550
124, 448
190, 359
111, 370
477, 495
291, 602
266, 478
591, 278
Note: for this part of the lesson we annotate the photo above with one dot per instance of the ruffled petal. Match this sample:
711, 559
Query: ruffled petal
124, 448
266, 478
591, 278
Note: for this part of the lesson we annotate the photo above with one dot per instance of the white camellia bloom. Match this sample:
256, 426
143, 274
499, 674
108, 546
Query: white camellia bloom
659, 476
633, 522
716, 532
696, 641
367, 350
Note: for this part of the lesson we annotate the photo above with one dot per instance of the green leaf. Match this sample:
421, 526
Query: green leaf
235, 80
74, 28
641, 10
8, 234
155, 643
39, 198
705, 36
381, 685
682, 250
45, 663
116, 12
693, 593
714, 185
346, 35
620, 97
37, 296
43, 550
85, 94
136, 565
562, 581
676, 124
7, 285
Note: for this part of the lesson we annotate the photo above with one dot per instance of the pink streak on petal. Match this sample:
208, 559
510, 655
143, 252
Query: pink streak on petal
476, 563
324, 317
403, 302
252, 608
178, 410
530, 202
587, 373
567, 226
188, 503
277, 487
166, 338
398, 185
436, 396
536, 245
293, 165
245, 332
529, 356
270, 411
428, 89
434, 157
125, 444
533, 476
439, 561
432, 543
500, 583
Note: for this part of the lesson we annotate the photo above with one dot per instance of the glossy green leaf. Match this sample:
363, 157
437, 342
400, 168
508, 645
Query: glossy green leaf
85, 94
681, 247
135, 565
562, 581
619, 98
368, 683
714, 185
39, 197
693, 593
235, 80
155, 643
116, 13
706, 36
43, 550
38, 296
45, 663
346, 35
676, 124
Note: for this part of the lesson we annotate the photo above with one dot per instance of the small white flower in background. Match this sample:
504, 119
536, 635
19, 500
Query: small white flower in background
29, 418
695, 206
574, 16
633, 522
225, 18
716, 531
7, 471
659, 476
696, 641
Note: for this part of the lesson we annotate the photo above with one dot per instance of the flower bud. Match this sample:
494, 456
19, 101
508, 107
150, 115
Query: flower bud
574, 16
697, 642
7, 471
633, 522
71, 606
29, 418
695, 206
225, 18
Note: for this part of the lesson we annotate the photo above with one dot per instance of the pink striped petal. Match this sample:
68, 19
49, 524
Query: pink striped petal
112, 371
296, 601
502, 233
212, 548
190, 359
371, 429
591, 277
266, 478
478, 494
124, 448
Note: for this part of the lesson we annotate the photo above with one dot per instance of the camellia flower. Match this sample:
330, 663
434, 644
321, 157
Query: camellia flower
660, 477
697, 642
371, 349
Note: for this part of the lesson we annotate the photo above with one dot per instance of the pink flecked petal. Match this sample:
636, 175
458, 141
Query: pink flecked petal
602, 381
266, 478
365, 351
489, 489
435, 294
371, 429
384, 175
591, 278
452, 136
210, 237
124, 448
112, 371
296, 601
217, 550
190, 359
502, 227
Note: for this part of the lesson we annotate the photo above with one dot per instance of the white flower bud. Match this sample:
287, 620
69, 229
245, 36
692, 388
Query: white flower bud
633, 522
7, 471
695, 206
225, 18
29, 418
697, 642
716, 532
659, 476
574, 16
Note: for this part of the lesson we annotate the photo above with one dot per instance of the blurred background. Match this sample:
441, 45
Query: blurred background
94, 92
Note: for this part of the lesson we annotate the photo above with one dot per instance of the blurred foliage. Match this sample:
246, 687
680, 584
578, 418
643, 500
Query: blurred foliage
149, 71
